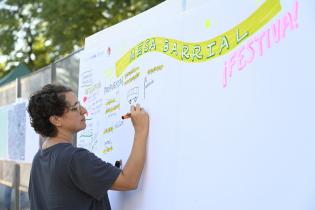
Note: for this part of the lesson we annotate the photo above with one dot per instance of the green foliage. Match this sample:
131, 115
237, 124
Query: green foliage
39, 31
20, 28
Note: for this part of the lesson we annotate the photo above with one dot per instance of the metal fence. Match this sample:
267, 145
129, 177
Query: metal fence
8, 93
64, 71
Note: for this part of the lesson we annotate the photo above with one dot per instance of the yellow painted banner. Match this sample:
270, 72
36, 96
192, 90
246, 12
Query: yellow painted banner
206, 50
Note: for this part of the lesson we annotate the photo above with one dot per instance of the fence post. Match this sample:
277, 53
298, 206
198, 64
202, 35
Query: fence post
18, 87
53, 72
16, 186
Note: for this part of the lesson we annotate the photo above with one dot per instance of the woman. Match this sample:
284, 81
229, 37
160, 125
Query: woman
64, 177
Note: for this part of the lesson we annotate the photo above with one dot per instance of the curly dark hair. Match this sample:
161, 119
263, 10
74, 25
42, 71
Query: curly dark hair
48, 101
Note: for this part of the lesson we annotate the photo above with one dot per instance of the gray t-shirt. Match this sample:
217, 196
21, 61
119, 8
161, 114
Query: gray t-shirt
64, 177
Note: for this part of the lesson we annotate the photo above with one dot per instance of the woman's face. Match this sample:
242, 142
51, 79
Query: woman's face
74, 116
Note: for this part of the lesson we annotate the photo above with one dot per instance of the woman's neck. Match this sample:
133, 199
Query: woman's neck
60, 138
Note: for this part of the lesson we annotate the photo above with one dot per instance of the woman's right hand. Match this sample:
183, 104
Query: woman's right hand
139, 118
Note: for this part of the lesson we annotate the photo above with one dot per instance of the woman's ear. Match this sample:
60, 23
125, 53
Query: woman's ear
55, 120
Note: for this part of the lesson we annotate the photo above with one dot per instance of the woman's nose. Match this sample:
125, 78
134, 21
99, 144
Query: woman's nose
83, 110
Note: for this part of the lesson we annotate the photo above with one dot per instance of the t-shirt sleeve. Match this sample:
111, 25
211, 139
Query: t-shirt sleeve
91, 174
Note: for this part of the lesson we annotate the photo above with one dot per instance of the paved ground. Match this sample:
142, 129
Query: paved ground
26, 203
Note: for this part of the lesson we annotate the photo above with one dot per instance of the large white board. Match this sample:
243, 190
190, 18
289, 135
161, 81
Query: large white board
230, 92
